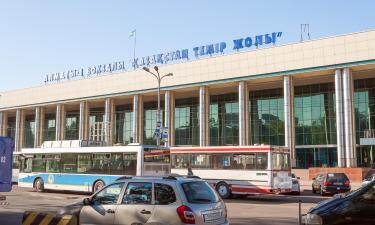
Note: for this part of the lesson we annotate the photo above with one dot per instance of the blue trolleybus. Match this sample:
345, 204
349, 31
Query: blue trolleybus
88, 169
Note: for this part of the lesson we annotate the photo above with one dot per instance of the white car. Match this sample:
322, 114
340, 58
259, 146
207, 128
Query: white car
368, 179
296, 188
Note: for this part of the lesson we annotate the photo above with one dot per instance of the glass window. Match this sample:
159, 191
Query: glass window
117, 163
262, 161
164, 194
150, 120
199, 192
124, 124
52, 163
84, 163
72, 125
186, 123
50, 127
180, 161
246, 161
16, 162
130, 163
69, 163
200, 161
101, 163
38, 164
109, 195
138, 193
280, 161
29, 131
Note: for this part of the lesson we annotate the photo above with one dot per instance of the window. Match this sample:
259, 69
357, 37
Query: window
180, 161
130, 163
101, 163
138, 193
200, 161
117, 164
69, 163
164, 194
38, 164
84, 163
52, 163
199, 192
109, 195
262, 161
280, 161
247, 161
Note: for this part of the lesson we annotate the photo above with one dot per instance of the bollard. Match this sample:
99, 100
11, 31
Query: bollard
299, 213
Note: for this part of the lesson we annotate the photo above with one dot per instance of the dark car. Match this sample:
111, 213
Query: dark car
331, 183
354, 208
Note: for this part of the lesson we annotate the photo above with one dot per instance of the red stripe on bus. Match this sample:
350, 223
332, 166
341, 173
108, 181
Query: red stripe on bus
219, 149
252, 190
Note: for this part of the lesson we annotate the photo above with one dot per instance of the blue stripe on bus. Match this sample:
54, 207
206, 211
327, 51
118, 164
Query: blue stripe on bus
69, 179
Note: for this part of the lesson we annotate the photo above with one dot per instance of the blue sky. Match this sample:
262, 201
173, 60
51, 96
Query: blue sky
40, 37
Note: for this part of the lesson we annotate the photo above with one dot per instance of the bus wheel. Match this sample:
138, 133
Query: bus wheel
39, 185
223, 190
97, 186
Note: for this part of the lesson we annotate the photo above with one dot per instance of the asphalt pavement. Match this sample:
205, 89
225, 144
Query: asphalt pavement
260, 210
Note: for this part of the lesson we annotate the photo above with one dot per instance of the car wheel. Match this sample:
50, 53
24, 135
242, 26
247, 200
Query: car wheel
97, 186
39, 185
223, 190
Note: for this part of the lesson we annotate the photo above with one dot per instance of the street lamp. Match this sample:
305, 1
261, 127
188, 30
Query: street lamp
158, 78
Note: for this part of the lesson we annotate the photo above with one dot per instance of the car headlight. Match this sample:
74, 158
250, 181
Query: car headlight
313, 219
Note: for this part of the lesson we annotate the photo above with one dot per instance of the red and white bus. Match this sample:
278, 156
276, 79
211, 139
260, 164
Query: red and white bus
237, 169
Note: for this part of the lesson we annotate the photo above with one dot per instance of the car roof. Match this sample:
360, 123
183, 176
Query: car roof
170, 178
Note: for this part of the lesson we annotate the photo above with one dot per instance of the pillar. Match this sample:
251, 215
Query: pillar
169, 117
20, 121
109, 117
243, 113
339, 119
203, 116
39, 125
3, 123
60, 122
350, 145
137, 119
84, 120
289, 118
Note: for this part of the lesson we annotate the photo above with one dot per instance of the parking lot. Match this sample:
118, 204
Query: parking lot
265, 209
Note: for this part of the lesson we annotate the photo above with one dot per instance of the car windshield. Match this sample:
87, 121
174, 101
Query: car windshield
337, 177
199, 192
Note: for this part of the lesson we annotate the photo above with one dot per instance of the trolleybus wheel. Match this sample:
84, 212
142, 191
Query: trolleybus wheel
39, 185
223, 190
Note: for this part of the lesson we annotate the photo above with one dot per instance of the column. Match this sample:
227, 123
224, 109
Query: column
137, 119
243, 113
109, 117
289, 118
203, 116
3, 123
84, 120
39, 118
169, 117
20, 120
339, 119
350, 145
60, 122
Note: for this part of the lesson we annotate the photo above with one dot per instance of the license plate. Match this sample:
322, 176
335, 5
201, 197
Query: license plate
338, 188
212, 216
337, 183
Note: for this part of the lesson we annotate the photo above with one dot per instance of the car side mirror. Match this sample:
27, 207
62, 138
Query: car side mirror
86, 201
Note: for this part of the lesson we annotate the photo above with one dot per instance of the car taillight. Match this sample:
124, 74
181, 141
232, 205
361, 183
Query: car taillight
186, 214
327, 183
347, 183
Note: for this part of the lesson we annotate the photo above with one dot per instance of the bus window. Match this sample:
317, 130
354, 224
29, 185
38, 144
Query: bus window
130, 163
280, 161
26, 164
84, 163
200, 161
117, 164
223, 161
180, 161
262, 161
246, 161
38, 164
16, 162
69, 163
52, 163
101, 163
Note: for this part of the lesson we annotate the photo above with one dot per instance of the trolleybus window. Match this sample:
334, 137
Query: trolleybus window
101, 163
84, 163
38, 164
130, 163
68, 163
280, 161
52, 163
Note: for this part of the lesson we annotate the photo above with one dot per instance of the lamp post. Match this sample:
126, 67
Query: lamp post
158, 78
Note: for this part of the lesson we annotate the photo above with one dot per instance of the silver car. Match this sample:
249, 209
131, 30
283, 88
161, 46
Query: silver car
152, 201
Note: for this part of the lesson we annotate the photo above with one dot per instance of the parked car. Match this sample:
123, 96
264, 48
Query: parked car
296, 187
354, 208
369, 177
331, 183
152, 200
